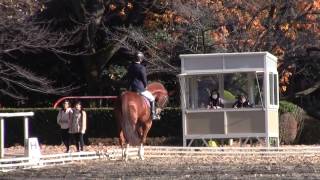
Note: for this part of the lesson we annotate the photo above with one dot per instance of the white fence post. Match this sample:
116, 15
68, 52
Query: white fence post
26, 128
1, 137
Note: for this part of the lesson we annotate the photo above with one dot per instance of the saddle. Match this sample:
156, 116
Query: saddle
146, 101
153, 110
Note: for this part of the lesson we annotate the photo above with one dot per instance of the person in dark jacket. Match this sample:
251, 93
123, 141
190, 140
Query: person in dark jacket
138, 81
215, 102
242, 102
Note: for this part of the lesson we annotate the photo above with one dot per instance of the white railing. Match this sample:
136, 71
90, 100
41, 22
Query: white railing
8, 164
165, 152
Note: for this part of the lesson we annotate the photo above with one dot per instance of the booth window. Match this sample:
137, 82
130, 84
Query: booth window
273, 87
229, 85
249, 84
199, 89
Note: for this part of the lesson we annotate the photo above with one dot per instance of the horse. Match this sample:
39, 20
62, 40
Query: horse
133, 115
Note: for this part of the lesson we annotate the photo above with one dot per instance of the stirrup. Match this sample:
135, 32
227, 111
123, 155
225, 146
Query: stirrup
155, 117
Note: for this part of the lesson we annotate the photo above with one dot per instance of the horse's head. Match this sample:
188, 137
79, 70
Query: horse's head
160, 93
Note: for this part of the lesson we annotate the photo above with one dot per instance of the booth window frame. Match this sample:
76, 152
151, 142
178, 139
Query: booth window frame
221, 88
273, 90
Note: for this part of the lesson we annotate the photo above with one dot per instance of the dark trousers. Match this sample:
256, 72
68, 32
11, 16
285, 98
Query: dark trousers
65, 138
78, 137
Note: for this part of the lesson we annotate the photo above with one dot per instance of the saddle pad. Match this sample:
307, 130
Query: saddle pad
146, 101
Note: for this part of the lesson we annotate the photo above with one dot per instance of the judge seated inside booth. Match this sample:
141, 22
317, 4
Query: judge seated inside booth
212, 88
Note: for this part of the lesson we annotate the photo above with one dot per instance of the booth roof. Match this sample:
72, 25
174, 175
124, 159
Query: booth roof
230, 54
220, 72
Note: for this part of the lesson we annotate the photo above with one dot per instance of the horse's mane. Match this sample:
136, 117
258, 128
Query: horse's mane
156, 87
160, 92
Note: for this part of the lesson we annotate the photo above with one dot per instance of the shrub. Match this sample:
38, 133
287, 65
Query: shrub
101, 124
290, 122
288, 107
227, 95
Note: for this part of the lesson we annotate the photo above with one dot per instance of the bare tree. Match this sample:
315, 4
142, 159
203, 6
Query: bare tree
22, 32
138, 39
15, 80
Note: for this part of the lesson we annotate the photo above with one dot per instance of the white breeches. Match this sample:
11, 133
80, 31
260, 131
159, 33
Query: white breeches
148, 95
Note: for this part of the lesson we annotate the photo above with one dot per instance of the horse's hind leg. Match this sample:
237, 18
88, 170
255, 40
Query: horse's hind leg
145, 129
122, 142
127, 152
119, 118
140, 130
141, 152
124, 148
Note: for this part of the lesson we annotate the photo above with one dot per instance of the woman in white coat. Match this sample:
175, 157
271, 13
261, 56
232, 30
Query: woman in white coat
78, 125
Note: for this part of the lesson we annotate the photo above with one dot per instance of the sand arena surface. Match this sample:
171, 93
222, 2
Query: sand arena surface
180, 167
173, 168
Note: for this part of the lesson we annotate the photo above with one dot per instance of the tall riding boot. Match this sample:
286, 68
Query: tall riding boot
153, 111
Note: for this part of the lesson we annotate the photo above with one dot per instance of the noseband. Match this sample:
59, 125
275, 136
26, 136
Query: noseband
162, 101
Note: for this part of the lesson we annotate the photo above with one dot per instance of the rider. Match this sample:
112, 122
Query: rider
138, 81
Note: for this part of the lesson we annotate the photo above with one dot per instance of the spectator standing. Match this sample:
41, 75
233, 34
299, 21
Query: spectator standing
78, 126
64, 121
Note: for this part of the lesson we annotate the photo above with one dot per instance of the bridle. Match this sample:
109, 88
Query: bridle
162, 101
161, 98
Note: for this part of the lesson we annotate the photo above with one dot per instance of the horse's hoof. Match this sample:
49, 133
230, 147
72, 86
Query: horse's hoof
123, 155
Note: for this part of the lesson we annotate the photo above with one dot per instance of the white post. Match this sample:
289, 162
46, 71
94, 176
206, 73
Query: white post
230, 142
1, 138
194, 93
26, 128
250, 77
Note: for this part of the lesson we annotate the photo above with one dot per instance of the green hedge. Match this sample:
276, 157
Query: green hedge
286, 106
101, 123
228, 95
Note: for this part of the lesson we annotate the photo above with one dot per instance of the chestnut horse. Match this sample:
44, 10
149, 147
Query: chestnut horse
133, 115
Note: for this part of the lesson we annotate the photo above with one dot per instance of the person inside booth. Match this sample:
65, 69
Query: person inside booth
242, 102
215, 102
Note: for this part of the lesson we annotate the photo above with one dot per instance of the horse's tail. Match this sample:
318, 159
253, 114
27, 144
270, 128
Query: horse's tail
128, 126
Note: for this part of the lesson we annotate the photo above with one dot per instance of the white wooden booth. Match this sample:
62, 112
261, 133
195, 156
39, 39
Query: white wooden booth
253, 74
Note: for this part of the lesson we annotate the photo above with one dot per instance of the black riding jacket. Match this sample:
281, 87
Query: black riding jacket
137, 77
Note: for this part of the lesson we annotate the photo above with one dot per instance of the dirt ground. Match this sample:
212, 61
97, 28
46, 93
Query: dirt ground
209, 167
176, 168
180, 167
